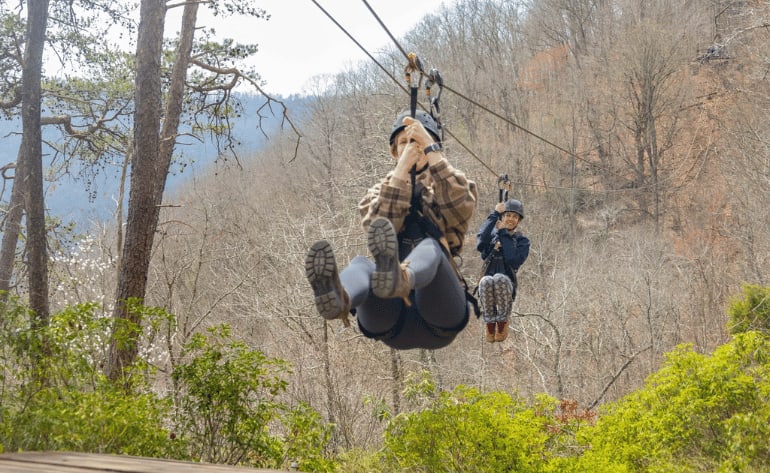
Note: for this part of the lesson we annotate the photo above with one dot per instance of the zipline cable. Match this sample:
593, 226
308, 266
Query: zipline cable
406, 91
396, 81
486, 109
359, 44
377, 17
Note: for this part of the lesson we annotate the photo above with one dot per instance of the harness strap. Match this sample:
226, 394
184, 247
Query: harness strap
436, 331
440, 332
431, 230
388, 334
509, 271
469, 297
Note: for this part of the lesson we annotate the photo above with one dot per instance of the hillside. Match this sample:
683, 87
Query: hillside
81, 194
639, 237
633, 133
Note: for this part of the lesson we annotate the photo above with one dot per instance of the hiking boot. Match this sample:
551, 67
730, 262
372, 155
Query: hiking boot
390, 278
331, 300
502, 331
490, 332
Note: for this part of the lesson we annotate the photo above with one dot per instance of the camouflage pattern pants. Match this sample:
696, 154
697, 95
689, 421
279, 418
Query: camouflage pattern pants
495, 298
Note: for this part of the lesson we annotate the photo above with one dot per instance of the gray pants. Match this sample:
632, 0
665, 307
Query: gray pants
439, 309
495, 298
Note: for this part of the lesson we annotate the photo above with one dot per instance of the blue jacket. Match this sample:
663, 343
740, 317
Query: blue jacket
512, 251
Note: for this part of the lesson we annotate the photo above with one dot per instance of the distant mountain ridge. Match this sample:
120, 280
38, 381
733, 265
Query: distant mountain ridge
73, 199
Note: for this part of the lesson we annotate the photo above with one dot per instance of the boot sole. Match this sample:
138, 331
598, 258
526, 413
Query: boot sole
321, 272
383, 244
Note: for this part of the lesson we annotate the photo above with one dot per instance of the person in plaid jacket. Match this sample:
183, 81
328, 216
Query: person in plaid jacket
409, 295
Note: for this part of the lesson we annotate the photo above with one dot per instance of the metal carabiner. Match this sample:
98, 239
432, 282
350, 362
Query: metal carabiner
434, 77
413, 65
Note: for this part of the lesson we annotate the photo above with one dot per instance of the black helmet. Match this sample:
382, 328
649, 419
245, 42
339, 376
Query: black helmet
514, 205
427, 121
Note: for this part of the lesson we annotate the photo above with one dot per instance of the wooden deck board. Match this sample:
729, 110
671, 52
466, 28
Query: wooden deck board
71, 462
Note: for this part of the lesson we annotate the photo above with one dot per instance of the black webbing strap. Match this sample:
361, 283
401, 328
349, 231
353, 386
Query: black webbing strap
503, 186
388, 334
430, 229
413, 65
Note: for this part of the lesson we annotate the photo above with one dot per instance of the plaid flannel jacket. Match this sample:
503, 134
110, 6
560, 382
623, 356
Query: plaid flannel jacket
448, 199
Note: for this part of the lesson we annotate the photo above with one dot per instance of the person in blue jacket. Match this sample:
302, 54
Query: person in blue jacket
503, 249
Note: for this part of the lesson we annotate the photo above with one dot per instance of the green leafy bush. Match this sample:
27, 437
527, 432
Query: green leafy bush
751, 311
228, 401
55, 396
465, 430
698, 413
226, 406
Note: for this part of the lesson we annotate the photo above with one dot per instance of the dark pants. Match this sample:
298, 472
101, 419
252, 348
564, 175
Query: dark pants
438, 312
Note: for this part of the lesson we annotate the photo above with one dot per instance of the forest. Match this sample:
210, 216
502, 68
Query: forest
183, 326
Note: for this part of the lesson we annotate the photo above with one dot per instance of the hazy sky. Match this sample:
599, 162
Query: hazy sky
300, 41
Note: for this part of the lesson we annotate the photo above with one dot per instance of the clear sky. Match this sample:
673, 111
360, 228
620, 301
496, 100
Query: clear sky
300, 41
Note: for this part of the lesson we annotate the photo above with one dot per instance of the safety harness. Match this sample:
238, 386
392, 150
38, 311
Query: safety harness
429, 229
418, 226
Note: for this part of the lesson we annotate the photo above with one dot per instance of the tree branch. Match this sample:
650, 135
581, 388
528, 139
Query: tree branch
616, 376
237, 74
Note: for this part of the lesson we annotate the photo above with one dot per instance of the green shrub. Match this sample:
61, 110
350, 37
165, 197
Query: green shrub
226, 406
104, 420
465, 430
358, 460
698, 413
55, 396
228, 400
305, 439
751, 311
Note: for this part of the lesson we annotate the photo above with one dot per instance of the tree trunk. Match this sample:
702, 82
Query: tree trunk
12, 229
142, 206
397, 386
32, 153
151, 163
175, 98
